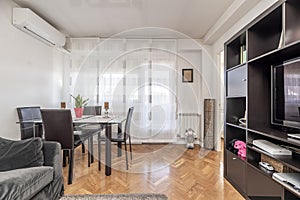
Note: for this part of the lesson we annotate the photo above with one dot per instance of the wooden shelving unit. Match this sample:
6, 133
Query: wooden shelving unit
271, 39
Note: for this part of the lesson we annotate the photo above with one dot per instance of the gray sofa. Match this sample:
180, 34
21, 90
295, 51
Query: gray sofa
30, 169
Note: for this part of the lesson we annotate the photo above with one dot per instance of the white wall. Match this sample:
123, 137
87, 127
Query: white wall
189, 57
216, 48
29, 74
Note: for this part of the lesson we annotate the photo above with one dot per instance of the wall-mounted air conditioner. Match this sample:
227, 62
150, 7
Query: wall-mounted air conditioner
31, 23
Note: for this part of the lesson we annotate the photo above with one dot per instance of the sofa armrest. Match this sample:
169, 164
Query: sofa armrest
52, 157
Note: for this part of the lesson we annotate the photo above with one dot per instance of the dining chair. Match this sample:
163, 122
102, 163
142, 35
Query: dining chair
28, 129
91, 110
123, 137
58, 126
97, 129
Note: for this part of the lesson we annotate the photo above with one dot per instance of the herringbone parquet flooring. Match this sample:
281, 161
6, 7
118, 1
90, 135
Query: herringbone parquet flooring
169, 169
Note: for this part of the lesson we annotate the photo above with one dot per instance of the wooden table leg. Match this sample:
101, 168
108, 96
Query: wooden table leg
108, 150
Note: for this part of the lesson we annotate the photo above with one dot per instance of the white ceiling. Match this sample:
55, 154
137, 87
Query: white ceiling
104, 18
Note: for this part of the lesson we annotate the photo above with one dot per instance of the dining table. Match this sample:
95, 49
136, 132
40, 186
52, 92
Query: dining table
102, 120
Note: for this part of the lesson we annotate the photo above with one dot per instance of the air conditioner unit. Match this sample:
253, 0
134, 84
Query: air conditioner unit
29, 22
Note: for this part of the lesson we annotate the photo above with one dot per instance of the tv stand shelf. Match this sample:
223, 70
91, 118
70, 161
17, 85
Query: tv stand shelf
236, 125
257, 167
252, 59
289, 161
275, 134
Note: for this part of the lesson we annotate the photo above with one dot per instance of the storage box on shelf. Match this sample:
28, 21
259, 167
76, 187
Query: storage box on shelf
269, 40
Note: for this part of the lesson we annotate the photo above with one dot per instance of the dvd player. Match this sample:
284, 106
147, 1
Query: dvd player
271, 148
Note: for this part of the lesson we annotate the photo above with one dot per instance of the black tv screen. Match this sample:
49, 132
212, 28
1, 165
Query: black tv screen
286, 94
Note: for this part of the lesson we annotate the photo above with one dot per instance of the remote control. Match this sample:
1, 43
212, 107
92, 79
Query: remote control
266, 166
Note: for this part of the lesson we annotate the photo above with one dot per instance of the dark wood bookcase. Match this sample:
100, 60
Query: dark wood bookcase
270, 39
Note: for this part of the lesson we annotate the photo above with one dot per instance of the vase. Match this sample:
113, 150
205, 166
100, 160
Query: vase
78, 112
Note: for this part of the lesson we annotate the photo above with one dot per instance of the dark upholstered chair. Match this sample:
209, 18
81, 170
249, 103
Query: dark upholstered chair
28, 129
90, 110
58, 126
93, 110
123, 137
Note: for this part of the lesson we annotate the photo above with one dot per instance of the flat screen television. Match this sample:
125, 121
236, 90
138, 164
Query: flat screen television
286, 94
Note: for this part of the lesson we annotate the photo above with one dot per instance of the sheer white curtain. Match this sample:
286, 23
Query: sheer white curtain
133, 72
84, 68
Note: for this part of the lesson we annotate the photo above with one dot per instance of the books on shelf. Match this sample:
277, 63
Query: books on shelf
243, 54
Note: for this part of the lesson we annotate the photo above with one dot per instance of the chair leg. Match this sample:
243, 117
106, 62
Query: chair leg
89, 154
92, 150
71, 164
64, 158
126, 153
130, 147
83, 148
99, 151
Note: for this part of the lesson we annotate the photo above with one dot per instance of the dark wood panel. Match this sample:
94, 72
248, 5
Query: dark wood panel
236, 170
292, 32
260, 185
259, 95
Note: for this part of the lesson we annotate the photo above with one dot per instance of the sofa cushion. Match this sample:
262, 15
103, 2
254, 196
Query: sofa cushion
24, 183
20, 154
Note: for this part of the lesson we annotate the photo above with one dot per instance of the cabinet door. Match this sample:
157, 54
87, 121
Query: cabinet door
237, 82
236, 170
261, 185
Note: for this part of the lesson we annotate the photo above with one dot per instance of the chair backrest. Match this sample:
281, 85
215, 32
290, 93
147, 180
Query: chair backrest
58, 126
92, 110
128, 122
27, 114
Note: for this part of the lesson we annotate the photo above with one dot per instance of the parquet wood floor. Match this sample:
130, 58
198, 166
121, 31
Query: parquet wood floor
156, 168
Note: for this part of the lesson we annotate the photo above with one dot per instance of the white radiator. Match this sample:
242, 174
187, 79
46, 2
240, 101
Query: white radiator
188, 120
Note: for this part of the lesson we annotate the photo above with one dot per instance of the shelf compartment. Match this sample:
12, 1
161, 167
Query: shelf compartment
233, 132
260, 169
236, 107
234, 51
289, 161
277, 56
273, 134
264, 36
292, 25
259, 95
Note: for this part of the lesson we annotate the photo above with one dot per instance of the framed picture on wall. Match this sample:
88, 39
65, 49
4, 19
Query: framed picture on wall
187, 75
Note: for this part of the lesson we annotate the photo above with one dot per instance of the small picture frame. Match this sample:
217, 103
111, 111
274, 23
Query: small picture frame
187, 75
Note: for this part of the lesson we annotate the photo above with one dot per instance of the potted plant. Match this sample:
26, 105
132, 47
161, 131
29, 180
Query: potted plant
80, 103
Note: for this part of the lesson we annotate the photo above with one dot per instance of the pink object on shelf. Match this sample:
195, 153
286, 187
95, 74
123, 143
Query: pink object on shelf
241, 146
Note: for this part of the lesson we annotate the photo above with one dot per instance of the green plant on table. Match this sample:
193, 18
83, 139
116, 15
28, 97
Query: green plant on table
79, 101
